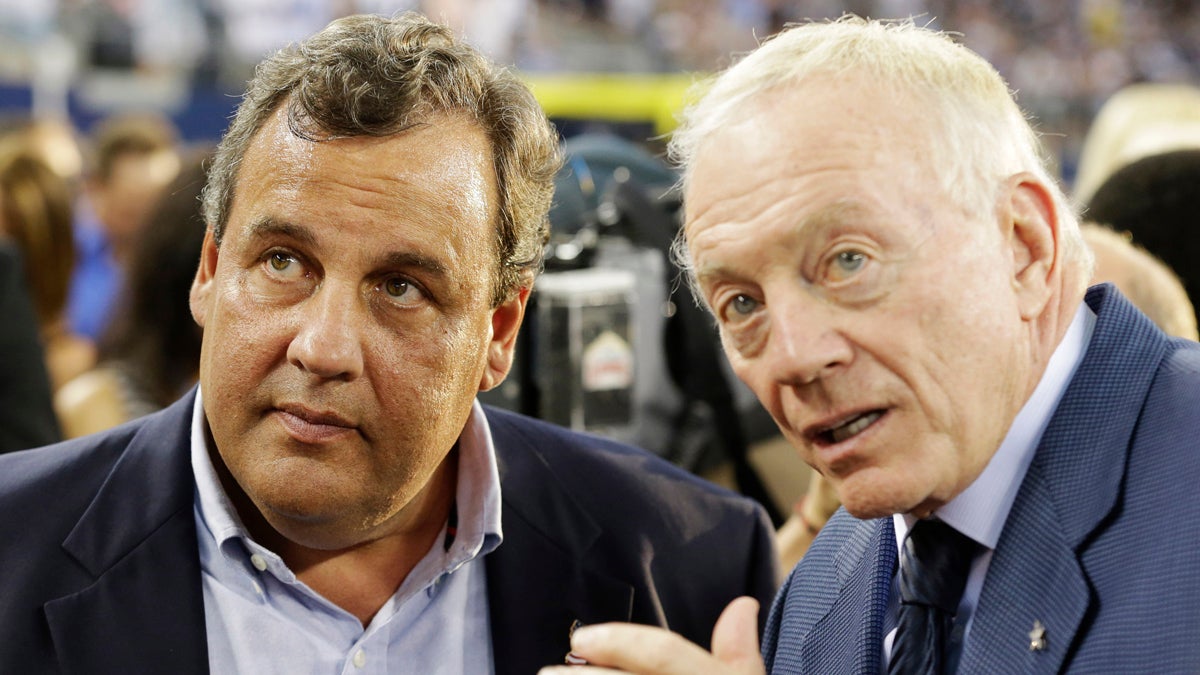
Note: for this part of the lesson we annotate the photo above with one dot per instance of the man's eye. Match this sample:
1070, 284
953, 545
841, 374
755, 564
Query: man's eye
845, 264
396, 287
402, 290
850, 261
283, 262
738, 308
743, 304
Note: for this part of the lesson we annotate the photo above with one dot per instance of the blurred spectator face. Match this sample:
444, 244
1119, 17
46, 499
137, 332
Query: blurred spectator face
877, 321
1148, 283
134, 185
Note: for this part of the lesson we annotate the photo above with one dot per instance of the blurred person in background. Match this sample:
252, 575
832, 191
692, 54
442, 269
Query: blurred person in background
134, 157
147, 37
52, 140
1155, 199
1139, 120
26, 416
35, 213
1147, 281
150, 352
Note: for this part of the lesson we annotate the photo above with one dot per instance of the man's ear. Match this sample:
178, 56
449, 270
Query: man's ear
506, 322
1032, 226
202, 288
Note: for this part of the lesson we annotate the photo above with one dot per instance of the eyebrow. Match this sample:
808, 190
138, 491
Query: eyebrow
269, 226
828, 216
400, 260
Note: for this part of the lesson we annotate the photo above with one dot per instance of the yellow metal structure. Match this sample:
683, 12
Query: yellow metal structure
618, 97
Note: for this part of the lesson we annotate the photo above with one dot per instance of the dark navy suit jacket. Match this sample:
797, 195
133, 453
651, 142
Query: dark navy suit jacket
99, 568
1102, 547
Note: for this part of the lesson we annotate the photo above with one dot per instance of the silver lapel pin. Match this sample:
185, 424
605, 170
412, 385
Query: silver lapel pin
1037, 637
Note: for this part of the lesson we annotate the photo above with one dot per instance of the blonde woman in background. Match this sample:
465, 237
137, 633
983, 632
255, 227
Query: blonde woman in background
35, 213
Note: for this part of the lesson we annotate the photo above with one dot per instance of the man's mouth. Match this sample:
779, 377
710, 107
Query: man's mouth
315, 417
849, 428
311, 426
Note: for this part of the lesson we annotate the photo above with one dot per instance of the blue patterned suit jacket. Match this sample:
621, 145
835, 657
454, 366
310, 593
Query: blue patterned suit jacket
1102, 546
99, 565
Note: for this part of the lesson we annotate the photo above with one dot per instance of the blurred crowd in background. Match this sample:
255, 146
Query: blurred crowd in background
1064, 58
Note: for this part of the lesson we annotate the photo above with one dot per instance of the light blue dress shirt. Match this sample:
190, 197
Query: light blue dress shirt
980, 510
261, 619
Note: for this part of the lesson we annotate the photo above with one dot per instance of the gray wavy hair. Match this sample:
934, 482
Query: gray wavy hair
378, 76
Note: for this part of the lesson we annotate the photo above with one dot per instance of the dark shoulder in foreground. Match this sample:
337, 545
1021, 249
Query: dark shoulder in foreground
141, 465
588, 461
60, 478
686, 547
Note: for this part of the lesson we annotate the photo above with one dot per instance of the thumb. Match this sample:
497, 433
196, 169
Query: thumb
735, 637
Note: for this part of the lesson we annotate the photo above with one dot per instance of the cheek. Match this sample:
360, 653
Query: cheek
965, 385
435, 365
245, 324
238, 330
466, 343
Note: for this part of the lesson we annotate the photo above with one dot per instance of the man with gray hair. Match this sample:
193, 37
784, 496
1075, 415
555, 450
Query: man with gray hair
899, 280
333, 497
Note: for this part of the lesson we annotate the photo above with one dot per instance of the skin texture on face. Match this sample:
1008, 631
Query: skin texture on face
888, 332
348, 326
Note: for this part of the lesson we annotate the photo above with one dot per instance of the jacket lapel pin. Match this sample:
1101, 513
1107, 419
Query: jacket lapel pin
1037, 637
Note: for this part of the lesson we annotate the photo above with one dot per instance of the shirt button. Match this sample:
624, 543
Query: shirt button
360, 659
259, 562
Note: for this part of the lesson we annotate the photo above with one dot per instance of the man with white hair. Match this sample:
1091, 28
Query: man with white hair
902, 284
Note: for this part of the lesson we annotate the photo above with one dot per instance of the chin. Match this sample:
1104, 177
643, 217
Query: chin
868, 511
875, 496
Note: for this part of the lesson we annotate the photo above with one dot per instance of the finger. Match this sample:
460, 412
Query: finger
576, 670
735, 637
645, 650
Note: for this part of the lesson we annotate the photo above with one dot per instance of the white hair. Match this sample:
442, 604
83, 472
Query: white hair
976, 129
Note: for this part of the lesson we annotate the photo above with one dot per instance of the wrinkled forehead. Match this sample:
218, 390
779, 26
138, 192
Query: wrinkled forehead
824, 127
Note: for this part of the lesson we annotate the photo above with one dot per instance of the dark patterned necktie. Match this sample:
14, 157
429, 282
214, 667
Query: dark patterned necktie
934, 565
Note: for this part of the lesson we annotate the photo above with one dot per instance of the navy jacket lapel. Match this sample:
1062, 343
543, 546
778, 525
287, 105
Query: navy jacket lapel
1072, 486
145, 610
539, 582
849, 638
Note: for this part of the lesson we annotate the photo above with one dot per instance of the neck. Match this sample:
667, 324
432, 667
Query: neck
362, 577
1051, 327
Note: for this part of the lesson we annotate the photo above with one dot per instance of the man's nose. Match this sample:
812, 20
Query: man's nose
806, 341
328, 341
